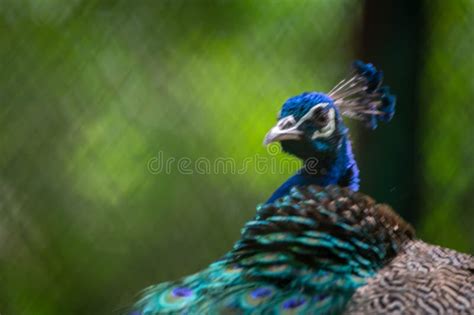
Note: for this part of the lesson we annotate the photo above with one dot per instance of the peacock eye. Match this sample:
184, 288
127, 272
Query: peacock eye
320, 118
326, 124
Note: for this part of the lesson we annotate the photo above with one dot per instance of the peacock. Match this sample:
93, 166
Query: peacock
317, 245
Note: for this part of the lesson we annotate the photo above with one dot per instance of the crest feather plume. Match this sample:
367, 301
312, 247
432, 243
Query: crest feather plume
361, 95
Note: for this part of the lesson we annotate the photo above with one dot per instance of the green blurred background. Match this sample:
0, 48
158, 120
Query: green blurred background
90, 91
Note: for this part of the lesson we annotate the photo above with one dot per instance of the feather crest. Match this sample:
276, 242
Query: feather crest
361, 96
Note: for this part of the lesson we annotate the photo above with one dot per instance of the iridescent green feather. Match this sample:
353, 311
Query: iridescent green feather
304, 254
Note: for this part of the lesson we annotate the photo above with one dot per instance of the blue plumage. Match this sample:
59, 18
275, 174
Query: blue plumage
299, 105
388, 104
338, 170
373, 76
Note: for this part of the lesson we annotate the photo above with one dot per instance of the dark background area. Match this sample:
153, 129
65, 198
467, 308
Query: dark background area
92, 91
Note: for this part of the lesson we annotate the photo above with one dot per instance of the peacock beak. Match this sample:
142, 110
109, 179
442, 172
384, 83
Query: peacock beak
285, 129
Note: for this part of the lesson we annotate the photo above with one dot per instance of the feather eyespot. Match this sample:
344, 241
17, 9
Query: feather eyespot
293, 303
262, 292
182, 292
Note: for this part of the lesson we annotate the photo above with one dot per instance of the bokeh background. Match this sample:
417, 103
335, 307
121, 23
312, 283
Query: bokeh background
91, 90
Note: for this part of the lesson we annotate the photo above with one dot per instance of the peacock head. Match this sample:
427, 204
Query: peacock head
311, 125
308, 124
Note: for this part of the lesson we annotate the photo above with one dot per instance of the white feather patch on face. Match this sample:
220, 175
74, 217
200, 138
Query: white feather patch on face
309, 114
327, 130
287, 127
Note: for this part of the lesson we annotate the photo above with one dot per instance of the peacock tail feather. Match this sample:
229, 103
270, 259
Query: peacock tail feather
307, 253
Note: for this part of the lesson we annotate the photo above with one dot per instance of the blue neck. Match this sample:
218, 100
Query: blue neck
340, 170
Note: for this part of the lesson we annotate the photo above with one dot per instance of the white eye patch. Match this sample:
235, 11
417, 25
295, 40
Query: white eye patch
286, 122
327, 130
309, 115
289, 125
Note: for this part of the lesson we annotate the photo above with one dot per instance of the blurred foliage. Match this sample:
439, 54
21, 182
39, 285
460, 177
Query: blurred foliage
91, 90
446, 131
